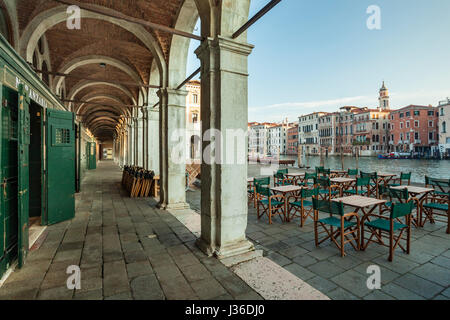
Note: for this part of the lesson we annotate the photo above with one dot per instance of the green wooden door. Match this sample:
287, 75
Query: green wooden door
8, 195
23, 137
91, 152
60, 143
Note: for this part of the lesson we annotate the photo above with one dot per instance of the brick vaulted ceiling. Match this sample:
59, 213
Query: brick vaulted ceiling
101, 38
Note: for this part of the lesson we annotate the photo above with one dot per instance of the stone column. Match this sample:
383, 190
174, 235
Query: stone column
139, 142
145, 138
130, 141
153, 141
224, 105
172, 148
136, 141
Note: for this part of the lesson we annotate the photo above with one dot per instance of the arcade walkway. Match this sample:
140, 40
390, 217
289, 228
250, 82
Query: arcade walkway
126, 250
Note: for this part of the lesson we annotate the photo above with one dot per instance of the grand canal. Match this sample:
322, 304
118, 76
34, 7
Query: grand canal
419, 168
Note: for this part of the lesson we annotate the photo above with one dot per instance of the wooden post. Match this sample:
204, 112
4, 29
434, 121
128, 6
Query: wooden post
357, 158
299, 157
342, 158
322, 160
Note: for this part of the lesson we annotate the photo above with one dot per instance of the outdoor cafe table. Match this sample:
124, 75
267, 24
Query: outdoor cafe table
284, 190
383, 178
364, 204
296, 177
338, 173
344, 183
418, 193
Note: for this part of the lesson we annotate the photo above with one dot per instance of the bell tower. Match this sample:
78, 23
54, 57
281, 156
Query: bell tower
384, 98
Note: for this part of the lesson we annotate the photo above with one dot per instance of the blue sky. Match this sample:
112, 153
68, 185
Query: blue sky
319, 55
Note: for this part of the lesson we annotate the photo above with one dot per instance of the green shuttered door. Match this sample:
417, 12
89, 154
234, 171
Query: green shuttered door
60, 166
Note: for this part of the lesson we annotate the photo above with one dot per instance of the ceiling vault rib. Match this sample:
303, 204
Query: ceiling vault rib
111, 13
103, 104
126, 83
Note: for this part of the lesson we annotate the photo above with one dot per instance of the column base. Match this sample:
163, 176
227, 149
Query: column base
173, 206
229, 250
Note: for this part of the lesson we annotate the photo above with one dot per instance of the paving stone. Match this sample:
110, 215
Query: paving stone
187, 259
322, 284
293, 252
300, 271
435, 273
195, 272
419, 285
60, 293
378, 295
325, 269
88, 295
235, 286
442, 261
139, 268
399, 292
120, 296
352, 281
146, 288
446, 292
304, 260
167, 271
177, 289
135, 256
115, 278
208, 288
323, 253
278, 259
341, 294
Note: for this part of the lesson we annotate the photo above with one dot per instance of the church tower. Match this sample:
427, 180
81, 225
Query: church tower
384, 98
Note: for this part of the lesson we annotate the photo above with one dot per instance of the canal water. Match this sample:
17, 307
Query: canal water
419, 168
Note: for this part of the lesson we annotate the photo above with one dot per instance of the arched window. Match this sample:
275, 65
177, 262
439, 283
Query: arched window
45, 76
41, 46
444, 127
35, 60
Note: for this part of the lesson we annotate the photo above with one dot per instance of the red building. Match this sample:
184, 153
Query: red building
414, 129
292, 139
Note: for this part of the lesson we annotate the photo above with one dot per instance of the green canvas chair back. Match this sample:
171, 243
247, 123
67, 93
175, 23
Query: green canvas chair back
398, 194
309, 176
331, 207
308, 193
382, 190
279, 175
319, 169
361, 182
405, 176
443, 183
262, 181
323, 182
399, 210
326, 171
371, 175
352, 172
264, 191
283, 171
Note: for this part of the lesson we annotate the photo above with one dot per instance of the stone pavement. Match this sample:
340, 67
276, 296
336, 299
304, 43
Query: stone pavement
424, 274
126, 249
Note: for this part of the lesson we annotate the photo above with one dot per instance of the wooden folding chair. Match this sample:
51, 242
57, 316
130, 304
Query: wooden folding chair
347, 230
435, 208
271, 204
300, 206
384, 228
327, 191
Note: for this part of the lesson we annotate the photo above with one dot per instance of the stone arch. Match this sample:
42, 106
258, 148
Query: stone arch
95, 59
10, 11
95, 96
186, 20
88, 83
49, 18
